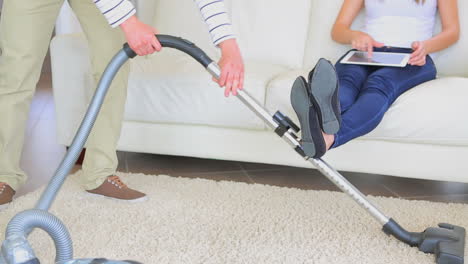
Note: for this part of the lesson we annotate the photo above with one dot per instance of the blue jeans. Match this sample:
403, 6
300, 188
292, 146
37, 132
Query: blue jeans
366, 92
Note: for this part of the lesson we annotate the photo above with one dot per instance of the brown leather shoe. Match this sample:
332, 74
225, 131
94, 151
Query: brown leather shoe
6, 195
114, 188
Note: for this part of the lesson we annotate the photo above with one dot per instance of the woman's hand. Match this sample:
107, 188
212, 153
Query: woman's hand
418, 57
140, 37
363, 42
232, 67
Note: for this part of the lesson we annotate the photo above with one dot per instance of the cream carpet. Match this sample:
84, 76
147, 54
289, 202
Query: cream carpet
202, 221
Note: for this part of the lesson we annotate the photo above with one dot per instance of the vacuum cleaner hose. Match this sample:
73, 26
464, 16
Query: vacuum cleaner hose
48, 196
20, 225
178, 44
23, 223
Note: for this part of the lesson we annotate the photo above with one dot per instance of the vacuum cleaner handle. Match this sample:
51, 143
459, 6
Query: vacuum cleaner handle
184, 46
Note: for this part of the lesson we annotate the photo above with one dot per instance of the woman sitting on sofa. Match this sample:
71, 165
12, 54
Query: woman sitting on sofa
367, 92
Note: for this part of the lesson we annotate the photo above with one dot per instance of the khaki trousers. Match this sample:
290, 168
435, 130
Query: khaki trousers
26, 27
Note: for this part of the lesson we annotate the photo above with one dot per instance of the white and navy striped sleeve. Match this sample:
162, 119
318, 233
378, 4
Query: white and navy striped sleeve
115, 11
217, 19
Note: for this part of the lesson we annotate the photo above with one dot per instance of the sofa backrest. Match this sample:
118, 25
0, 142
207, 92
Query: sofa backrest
271, 31
450, 62
293, 33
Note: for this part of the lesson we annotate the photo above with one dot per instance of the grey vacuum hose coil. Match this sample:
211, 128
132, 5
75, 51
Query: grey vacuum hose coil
48, 196
19, 226
22, 224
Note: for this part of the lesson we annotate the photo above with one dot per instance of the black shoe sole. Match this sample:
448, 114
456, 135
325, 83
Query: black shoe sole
323, 84
312, 141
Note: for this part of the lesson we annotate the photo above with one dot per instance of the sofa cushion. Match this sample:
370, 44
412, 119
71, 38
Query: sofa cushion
171, 87
450, 62
431, 113
263, 33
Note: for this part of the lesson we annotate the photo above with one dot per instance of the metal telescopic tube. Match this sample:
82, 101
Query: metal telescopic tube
349, 189
321, 165
215, 71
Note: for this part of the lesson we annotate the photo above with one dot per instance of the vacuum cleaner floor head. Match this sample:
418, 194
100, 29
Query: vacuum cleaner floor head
447, 242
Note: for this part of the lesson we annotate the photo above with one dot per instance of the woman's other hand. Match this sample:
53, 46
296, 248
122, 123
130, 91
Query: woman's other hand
418, 57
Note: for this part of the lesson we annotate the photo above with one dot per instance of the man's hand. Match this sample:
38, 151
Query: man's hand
232, 67
418, 57
363, 42
140, 37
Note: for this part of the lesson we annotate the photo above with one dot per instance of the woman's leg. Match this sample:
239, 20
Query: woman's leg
351, 79
378, 93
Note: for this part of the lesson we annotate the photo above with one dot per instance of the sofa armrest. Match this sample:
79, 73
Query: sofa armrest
72, 82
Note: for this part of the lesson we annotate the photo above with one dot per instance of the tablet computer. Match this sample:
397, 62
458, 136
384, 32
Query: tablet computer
390, 59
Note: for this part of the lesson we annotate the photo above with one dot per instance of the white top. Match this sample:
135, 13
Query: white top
398, 23
213, 12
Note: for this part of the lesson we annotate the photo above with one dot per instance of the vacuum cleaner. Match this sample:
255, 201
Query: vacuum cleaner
446, 242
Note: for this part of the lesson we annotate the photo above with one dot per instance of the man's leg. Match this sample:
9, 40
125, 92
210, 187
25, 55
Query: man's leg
25, 31
101, 159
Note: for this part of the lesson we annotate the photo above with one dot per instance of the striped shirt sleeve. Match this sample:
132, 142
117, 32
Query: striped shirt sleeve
215, 16
115, 11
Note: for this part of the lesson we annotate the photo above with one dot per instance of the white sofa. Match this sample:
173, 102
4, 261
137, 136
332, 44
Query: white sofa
174, 108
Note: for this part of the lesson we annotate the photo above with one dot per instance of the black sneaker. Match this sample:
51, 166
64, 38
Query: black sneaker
323, 88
